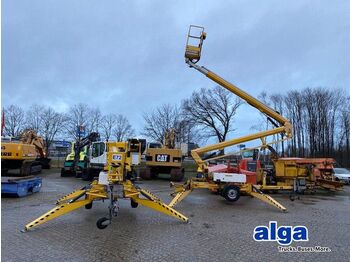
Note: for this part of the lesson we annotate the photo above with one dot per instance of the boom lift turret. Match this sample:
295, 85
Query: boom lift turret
114, 183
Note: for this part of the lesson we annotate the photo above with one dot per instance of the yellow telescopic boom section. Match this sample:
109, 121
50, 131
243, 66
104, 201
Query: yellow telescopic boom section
195, 38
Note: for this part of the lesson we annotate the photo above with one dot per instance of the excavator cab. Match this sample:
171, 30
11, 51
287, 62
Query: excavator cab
194, 43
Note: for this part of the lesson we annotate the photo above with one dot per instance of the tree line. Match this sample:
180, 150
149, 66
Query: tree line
51, 125
320, 119
321, 122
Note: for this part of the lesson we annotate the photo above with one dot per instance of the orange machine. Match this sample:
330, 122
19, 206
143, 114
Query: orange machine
27, 154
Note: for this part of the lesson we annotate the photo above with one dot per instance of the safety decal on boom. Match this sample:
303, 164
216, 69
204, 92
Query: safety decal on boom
117, 157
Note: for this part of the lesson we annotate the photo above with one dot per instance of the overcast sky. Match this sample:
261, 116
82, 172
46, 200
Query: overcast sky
127, 56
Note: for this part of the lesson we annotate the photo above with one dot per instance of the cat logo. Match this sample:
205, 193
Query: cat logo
162, 158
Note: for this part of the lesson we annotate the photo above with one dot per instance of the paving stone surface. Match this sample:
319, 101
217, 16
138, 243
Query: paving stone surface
218, 230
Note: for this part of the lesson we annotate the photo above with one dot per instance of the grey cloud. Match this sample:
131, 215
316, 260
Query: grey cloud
127, 56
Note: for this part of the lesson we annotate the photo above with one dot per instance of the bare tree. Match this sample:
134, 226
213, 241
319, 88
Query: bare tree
95, 120
346, 125
33, 117
107, 125
188, 132
162, 118
213, 110
320, 121
295, 105
122, 129
14, 120
344, 138
78, 115
51, 124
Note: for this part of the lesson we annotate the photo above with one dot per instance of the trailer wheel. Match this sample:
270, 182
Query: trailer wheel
101, 223
133, 204
231, 193
88, 206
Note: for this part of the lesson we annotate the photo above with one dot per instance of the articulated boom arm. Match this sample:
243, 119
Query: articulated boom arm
30, 137
94, 136
192, 56
169, 138
79, 144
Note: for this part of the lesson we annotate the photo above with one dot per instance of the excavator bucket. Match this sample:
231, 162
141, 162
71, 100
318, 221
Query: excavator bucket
195, 38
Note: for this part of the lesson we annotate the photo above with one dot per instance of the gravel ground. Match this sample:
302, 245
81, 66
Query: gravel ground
218, 230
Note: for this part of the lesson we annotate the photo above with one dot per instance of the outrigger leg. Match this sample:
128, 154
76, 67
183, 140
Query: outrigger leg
151, 201
96, 191
183, 190
59, 210
255, 192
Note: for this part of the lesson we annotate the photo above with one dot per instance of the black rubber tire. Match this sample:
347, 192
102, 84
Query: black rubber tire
154, 173
145, 173
177, 174
231, 193
63, 173
78, 174
87, 175
88, 206
100, 221
133, 204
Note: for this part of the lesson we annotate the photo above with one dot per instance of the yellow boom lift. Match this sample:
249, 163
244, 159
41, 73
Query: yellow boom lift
229, 185
293, 174
296, 174
113, 183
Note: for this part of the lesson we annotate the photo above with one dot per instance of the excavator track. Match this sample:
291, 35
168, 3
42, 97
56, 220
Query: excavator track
30, 168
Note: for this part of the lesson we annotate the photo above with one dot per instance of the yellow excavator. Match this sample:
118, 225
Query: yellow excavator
165, 159
114, 183
27, 154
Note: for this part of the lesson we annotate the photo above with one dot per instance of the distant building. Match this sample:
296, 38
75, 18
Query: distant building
187, 147
59, 148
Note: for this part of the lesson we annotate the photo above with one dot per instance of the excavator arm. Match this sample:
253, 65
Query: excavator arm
30, 137
192, 56
79, 144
